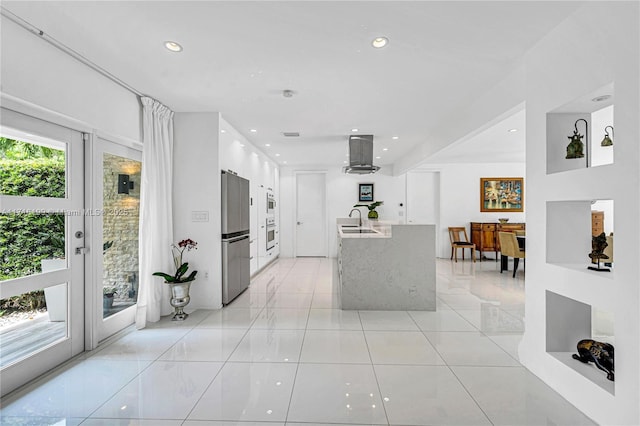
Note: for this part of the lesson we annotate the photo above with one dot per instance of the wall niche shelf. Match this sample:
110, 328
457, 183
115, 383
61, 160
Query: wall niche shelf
592, 116
570, 227
568, 321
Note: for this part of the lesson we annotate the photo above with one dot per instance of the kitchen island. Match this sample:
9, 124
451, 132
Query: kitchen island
386, 266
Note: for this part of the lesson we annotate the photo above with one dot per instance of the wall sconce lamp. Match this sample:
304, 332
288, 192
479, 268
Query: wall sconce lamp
576, 148
607, 141
124, 184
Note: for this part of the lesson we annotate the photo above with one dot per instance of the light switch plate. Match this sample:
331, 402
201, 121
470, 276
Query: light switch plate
199, 216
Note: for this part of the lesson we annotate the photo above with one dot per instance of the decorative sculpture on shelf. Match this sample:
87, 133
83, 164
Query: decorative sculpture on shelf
601, 354
576, 148
607, 140
598, 244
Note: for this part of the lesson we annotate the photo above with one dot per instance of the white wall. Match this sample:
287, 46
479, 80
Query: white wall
601, 155
342, 195
460, 197
243, 157
584, 61
35, 71
196, 187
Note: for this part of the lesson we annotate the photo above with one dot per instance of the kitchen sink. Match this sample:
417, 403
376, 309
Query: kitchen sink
359, 231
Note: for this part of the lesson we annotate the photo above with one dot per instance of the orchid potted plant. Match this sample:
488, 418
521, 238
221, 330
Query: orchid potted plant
178, 282
177, 251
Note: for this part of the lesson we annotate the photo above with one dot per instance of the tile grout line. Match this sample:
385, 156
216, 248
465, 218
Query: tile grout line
224, 363
153, 361
470, 396
295, 376
373, 368
454, 374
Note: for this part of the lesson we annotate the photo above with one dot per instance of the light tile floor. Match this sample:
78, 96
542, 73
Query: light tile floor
283, 353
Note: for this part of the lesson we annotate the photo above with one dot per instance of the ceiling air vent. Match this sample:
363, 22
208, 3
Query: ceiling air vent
361, 155
291, 134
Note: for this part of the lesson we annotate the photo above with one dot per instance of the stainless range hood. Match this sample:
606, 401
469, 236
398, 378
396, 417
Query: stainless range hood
361, 155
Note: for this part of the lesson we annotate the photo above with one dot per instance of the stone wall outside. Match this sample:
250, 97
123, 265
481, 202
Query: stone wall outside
120, 224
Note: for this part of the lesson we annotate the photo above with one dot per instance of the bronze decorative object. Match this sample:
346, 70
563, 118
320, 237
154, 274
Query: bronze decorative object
607, 141
598, 244
601, 354
577, 148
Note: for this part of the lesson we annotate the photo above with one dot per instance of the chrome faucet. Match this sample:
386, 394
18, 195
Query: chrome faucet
359, 214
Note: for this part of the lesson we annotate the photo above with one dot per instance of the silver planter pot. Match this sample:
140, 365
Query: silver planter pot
179, 299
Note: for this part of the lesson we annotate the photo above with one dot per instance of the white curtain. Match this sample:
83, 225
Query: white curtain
156, 214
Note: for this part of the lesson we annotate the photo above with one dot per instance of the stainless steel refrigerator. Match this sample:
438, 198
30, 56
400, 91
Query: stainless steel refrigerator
235, 236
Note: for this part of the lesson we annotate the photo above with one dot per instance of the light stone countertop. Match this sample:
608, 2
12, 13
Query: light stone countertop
383, 232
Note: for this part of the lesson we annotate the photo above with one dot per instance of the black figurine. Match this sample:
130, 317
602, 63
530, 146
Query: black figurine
598, 244
601, 354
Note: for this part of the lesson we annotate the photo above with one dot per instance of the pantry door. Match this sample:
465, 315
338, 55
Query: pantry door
311, 214
42, 253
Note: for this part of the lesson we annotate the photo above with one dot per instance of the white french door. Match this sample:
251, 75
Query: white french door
41, 247
116, 171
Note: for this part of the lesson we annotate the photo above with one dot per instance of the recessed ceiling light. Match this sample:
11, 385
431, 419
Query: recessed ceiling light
601, 98
277, 155
512, 130
267, 144
394, 137
378, 157
379, 42
284, 162
223, 131
354, 130
385, 149
253, 130
242, 145
345, 161
173, 46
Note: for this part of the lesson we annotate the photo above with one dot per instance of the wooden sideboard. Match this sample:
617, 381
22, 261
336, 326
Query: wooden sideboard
485, 235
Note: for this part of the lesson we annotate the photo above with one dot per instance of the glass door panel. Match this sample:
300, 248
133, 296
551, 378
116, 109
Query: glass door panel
116, 194
32, 169
32, 321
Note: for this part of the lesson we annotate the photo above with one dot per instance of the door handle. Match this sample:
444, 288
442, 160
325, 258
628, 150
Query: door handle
82, 250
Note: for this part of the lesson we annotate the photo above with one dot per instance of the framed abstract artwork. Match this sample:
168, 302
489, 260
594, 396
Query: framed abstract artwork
365, 192
502, 194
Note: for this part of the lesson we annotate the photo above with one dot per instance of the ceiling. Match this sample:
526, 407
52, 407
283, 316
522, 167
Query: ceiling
503, 142
239, 56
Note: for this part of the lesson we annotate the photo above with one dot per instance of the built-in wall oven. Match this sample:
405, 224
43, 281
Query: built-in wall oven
271, 233
271, 203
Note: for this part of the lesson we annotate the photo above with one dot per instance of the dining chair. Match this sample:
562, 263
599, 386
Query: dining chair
459, 239
509, 247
